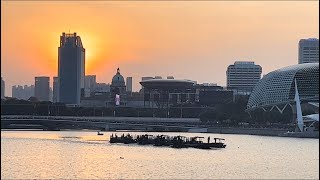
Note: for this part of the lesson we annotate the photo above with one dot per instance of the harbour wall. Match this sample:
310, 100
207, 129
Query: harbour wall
249, 131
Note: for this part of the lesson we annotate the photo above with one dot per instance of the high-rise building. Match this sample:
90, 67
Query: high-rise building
55, 91
42, 90
28, 91
308, 51
23, 92
129, 84
71, 59
90, 83
2, 88
242, 76
17, 92
50, 94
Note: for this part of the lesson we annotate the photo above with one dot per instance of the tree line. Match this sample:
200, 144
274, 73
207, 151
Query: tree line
223, 114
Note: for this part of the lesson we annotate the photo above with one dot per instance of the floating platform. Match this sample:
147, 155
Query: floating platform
169, 141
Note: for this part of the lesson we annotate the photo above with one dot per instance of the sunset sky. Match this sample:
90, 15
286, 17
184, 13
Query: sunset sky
187, 40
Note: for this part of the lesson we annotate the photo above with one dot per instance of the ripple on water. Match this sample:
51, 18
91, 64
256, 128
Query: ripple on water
84, 155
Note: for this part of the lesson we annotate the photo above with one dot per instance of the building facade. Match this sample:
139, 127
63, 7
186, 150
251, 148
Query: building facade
17, 92
90, 83
129, 84
55, 86
242, 76
2, 88
163, 93
23, 92
278, 87
71, 68
118, 90
50, 94
42, 88
102, 87
308, 51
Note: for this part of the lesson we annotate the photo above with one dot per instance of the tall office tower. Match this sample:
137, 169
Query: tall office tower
71, 66
90, 82
2, 88
41, 90
50, 94
28, 91
17, 92
55, 91
22, 92
242, 76
129, 84
308, 51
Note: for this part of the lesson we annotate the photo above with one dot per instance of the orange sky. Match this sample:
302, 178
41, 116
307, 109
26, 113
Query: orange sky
188, 40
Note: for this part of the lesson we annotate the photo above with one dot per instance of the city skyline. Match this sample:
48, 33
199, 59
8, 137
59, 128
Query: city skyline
191, 40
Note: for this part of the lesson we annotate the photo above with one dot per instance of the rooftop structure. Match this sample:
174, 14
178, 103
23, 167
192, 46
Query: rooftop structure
166, 83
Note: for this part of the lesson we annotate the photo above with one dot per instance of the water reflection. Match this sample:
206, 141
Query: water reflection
85, 155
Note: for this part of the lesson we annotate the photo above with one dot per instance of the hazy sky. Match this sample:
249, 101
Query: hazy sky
187, 40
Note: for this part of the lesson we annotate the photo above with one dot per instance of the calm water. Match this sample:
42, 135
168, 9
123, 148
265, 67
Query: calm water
84, 155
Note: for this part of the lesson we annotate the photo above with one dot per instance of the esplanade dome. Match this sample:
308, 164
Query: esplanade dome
118, 79
279, 86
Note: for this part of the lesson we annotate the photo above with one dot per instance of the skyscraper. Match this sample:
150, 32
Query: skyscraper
308, 51
42, 90
50, 94
17, 92
28, 91
90, 83
71, 66
23, 92
129, 84
2, 88
55, 93
243, 76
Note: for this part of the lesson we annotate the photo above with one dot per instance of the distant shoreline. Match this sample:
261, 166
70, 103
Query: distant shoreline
216, 130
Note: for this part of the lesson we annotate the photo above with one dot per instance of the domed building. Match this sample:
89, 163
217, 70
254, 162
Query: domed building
278, 87
118, 87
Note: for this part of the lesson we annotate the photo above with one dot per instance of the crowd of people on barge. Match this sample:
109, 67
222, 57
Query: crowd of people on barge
165, 140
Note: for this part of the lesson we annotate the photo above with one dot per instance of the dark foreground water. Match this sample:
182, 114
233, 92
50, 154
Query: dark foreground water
84, 155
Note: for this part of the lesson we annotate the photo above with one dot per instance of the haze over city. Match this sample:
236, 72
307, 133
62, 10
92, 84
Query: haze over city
187, 40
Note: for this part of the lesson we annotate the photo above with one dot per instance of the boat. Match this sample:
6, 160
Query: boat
196, 142
164, 140
218, 144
